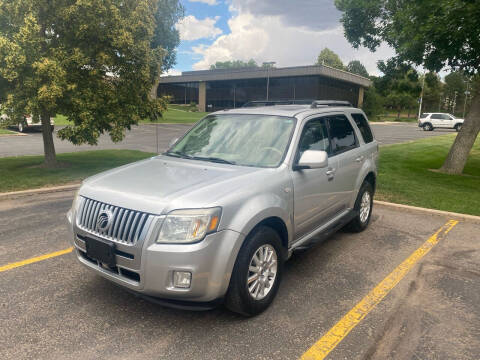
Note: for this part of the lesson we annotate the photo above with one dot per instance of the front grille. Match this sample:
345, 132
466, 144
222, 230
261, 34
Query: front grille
127, 225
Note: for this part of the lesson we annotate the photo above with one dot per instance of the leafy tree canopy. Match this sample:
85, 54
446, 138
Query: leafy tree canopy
235, 64
165, 35
329, 58
432, 33
356, 67
89, 60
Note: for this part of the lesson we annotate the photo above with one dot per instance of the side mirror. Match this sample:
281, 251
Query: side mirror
312, 159
172, 142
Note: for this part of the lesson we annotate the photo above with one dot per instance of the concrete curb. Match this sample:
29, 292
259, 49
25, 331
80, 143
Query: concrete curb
16, 134
392, 123
45, 190
409, 208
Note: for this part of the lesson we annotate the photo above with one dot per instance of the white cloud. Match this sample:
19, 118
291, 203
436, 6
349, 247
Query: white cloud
191, 28
208, 2
171, 72
270, 38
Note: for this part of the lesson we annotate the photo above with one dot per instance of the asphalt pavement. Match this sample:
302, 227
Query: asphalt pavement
57, 309
153, 138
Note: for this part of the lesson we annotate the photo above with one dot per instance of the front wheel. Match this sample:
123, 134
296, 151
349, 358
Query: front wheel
458, 127
257, 273
363, 208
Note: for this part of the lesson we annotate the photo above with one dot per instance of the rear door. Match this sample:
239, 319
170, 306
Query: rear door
436, 120
346, 149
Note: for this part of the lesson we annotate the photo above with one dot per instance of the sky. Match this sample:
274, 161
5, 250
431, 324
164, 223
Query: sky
289, 32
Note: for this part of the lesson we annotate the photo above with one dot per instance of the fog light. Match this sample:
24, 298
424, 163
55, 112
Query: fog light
182, 279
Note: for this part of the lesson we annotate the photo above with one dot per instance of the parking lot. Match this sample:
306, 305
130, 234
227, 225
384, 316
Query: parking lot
56, 309
144, 138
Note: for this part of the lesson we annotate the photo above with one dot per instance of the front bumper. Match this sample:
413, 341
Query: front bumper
147, 267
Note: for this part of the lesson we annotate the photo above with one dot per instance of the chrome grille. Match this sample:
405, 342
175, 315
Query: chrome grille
127, 225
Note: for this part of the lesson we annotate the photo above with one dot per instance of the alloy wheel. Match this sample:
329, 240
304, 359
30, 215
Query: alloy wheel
262, 272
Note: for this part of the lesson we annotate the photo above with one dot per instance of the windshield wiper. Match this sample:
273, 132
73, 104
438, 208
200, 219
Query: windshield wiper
213, 159
179, 154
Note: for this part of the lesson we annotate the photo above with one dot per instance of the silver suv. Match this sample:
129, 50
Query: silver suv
215, 217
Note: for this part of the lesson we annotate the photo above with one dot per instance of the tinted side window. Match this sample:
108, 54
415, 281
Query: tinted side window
364, 128
314, 137
341, 133
436, 116
423, 116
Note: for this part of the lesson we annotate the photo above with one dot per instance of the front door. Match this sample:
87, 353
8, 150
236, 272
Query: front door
315, 197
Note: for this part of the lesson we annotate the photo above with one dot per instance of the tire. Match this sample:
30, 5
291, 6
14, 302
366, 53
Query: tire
21, 127
457, 127
362, 219
427, 127
239, 298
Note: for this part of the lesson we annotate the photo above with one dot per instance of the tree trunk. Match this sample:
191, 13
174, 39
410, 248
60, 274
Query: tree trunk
153, 91
458, 155
48, 145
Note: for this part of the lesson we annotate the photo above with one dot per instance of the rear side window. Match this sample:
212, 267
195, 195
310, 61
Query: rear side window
436, 116
423, 115
341, 134
364, 128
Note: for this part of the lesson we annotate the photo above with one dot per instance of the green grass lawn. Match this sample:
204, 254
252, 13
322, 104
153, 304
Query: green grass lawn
393, 117
404, 176
24, 172
6, 132
173, 115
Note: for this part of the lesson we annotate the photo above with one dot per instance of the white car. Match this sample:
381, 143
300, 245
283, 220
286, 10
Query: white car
28, 123
430, 121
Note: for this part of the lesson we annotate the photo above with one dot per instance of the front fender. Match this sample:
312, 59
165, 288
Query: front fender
258, 208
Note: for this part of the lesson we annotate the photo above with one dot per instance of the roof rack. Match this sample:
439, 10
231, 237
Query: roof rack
325, 103
258, 103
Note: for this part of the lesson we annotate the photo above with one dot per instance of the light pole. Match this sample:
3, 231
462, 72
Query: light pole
454, 103
466, 97
268, 65
421, 97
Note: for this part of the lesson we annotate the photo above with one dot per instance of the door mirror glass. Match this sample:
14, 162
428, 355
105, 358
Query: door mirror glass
172, 142
312, 159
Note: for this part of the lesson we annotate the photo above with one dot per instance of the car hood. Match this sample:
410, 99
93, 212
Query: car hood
164, 183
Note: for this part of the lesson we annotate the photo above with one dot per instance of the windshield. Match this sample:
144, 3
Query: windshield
250, 140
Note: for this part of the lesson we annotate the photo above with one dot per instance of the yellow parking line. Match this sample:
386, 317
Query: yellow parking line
35, 259
341, 329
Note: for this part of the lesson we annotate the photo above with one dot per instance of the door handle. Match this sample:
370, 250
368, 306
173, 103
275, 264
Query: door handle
360, 158
330, 173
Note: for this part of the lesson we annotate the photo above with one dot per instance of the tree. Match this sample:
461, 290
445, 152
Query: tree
329, 58
454, 91
89, 60
166, 36
432, 33
432, 93
373, 102
399, 85
356, 67
235, 64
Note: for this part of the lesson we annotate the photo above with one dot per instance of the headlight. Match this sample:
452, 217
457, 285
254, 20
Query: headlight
188, 226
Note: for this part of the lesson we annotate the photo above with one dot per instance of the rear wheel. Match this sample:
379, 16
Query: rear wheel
427, 127
458, 127
363, 208
257, 273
